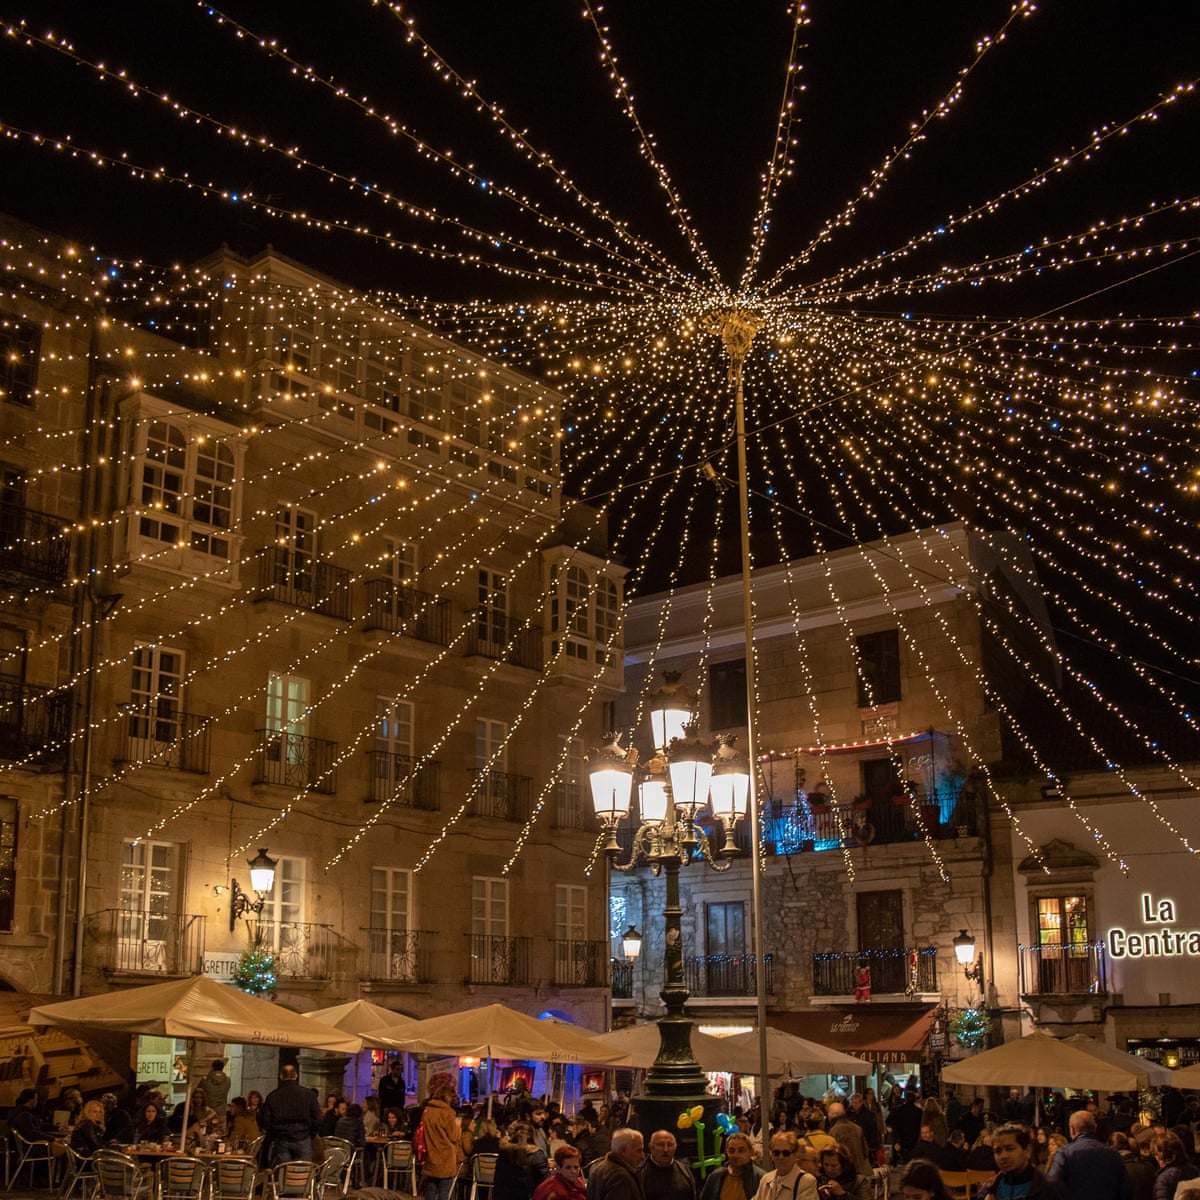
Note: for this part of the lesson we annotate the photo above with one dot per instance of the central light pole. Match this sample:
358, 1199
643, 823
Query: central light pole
670, 801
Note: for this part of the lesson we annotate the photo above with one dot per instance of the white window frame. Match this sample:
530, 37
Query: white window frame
149, 903
155, 699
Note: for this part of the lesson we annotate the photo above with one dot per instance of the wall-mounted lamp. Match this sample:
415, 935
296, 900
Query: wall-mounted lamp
964, 951
631, 943
262, 880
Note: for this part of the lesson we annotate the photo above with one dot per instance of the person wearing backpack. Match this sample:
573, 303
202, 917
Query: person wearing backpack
437, 1145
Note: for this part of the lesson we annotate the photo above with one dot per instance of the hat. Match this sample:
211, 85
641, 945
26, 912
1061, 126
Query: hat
26, 1095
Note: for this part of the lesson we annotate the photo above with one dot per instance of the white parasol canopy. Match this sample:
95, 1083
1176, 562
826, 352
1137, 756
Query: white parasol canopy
1149, 1073
361, 1016
1039, 1060
799, 1056
641, 1043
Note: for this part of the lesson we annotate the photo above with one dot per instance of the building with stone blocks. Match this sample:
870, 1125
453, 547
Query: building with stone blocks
880, 681
284, 570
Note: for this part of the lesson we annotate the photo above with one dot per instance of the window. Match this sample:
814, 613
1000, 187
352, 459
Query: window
183, 489
493, 952
155, 700
296, 549
150, 882
569, 609
393, 730
572, 813
492, 614
878, 668
608, 620
727, 694
287, 718
490, 740
726, 965
8, 862
19, 347
401, 560
425, 381
1064, 949
297, 337
393, 942
464, 404
572, 962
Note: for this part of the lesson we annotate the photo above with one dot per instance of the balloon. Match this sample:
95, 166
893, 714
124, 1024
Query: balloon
697, 1113
684, 1121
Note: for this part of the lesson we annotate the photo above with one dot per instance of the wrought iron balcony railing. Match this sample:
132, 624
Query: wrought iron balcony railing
500, 960
727, 974
405, 780
580, 964
571, 807
511, 641
621, 975
913, 969
404, 610
167, 738
1078, 969
303, 582
292, 760
398, 956
501, 794
302, 950
33, 545
141, 941
34, 722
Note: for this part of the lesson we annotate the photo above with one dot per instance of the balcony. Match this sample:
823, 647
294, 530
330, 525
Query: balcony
405, 780
294, 761
793, 828
395, 609
493, 636
302, 950
1076, 970
133, 941
302, 582
398, 956
167, 738
498, 960
32, 545
621, 975
727, 974
34, 722
500, 795
580, 964
835, 972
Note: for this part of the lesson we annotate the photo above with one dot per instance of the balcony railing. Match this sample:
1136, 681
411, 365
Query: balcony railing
621, 974
727, 974
1080, 969
143, 942
302, 950
294, 761
34, 723
405, 780
495, 959
793, 828
398, 956
166, 738
303, 582
404, 610
33, 545
571, 807
500, 794
511, 641
580, 964
835, 972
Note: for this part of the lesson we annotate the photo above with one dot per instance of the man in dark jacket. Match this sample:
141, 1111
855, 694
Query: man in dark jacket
1017, 1175
615, 1176
1087, 1168
739, 1164
290, 1117
664, 1177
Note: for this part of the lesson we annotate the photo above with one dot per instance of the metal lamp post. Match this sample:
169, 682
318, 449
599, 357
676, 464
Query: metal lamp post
681, 781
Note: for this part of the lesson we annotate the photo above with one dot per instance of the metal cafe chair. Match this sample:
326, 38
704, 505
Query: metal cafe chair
234, 1179
293, 1180
182, 1178
119, 1177
81, 1173
483, 1174
399, 1160
331, 1178
29, 1154
353, 1163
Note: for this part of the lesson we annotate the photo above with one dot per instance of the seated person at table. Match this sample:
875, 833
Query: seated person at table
395, 1123
23, 1119
243, 1128
150, 1126
88, 1135
350, 1126
119, 1123
371, 1115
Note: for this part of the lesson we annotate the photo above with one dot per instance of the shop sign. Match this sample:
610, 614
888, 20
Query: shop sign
1165, 941
219, 965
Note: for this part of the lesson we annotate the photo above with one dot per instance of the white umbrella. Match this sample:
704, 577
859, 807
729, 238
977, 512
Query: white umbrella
1039, 1060
641, 1043
799, 1056
362, 1017
1149, 1074
198, 1007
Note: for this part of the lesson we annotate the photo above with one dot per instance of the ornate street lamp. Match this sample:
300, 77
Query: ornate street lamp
964, 951
667, 836
262, 880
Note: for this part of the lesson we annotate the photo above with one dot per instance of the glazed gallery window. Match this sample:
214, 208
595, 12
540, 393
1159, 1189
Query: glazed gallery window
878, 668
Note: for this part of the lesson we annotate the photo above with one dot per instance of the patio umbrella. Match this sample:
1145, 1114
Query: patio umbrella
1039, 1060
1149, 1074
640, 1044
198, 1007
799, 1056
360, 1017
1186, 1077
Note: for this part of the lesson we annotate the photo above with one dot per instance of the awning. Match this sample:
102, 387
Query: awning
894, 1035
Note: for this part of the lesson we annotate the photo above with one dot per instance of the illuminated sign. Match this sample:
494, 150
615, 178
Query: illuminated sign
1162, 942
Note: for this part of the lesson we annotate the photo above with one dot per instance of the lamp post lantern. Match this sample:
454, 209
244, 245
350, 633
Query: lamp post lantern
669, 835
